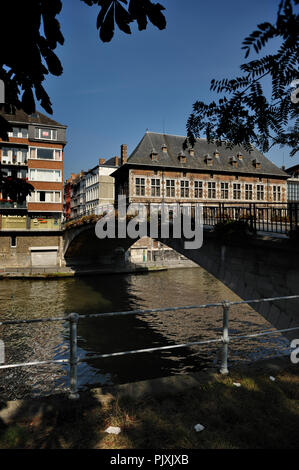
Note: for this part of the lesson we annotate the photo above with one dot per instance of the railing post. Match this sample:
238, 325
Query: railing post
73, 319
225, 339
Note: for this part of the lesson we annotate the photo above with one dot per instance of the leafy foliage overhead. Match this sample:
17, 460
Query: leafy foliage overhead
244, 115
113, 11
29, 34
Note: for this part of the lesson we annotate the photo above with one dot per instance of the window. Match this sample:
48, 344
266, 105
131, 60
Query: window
170, 188
19, 132
14, 155
45, 175
13, 241
224, 190
211, 190
184, 188
260, 192
22, 174
42, 196
155, 187
198, 189
140, 186
237, 191
276, 193
47, 134
293, 190
248, 191
45, 196
45, 153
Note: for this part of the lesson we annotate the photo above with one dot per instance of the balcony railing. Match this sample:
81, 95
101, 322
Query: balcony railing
7, 161
13, 205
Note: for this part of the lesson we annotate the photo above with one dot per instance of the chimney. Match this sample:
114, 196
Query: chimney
116, 161
102, 161
123, 153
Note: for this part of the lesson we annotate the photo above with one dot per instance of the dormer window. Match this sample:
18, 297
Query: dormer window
216, 154
234, 162
182, 157
191, 152
209, 160
164, 148
256, 163
154, 155
239, 156
46, 134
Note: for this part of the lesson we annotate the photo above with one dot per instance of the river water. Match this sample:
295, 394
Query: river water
23, 299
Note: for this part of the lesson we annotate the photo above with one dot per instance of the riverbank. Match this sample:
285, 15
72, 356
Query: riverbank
162, 413
68, 272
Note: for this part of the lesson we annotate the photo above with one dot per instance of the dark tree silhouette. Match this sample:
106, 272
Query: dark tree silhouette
244, 115
29, 35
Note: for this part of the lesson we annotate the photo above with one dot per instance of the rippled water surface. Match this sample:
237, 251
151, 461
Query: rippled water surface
22, 299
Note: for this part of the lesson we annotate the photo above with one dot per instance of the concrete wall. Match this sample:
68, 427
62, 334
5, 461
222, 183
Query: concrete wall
20, 256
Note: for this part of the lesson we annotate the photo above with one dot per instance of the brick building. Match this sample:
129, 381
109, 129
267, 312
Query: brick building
30, 233
160, 170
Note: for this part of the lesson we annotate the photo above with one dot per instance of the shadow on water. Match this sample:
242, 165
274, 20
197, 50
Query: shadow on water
23, 299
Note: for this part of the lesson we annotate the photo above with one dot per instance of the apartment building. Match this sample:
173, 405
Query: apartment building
30, 233
85, 191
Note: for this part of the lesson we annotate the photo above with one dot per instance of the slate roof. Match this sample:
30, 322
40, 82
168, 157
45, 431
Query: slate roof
151, 140
21, 117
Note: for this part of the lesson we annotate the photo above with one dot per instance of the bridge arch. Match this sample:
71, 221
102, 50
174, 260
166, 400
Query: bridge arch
253, 269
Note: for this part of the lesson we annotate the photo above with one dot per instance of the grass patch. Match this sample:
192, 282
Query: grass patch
260, 414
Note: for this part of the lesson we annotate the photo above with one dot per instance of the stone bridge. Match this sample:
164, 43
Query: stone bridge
253, 268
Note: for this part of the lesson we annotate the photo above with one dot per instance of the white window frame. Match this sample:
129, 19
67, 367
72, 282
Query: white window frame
276, 192
39, 130
185, 188
260, 191
46, 171
32, 148
17, 152
19, 133
211, 188
198, 186
140, 186
35, 197
156, 187
237, 191
224, 190
170, 187
248, 191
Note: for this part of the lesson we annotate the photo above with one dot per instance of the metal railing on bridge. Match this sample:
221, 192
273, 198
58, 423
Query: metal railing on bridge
74, 318
274, 217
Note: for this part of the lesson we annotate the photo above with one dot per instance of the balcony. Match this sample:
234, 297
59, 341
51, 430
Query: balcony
12, 205
13, 162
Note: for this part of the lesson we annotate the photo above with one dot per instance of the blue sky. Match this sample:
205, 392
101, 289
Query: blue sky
109, 94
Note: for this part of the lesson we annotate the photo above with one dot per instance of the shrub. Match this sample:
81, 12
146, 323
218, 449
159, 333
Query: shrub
294, 234
233, 229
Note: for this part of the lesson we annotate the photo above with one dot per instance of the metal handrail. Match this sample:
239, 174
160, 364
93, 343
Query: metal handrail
73, 319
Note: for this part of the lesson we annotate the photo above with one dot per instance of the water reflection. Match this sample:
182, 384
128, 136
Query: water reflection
26, 299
